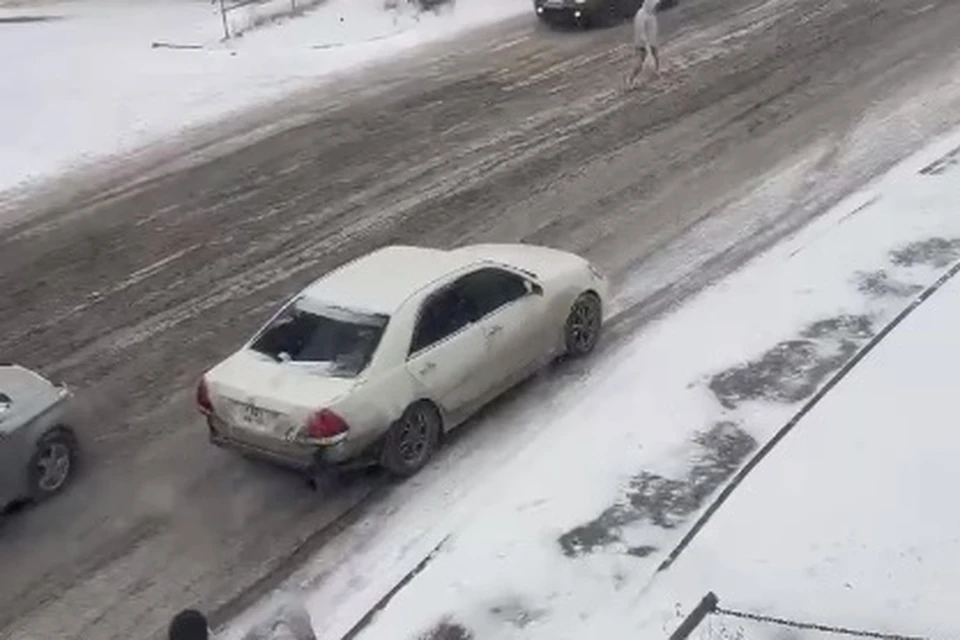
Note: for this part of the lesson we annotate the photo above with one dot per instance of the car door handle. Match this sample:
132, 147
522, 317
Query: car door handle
494, 330
427, 368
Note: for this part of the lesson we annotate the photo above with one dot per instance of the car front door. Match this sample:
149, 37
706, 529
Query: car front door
511, 313
446, 350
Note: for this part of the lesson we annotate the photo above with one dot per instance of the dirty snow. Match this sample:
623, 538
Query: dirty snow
87, 82
601, 481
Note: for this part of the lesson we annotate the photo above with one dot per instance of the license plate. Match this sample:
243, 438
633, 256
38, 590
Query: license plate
553, 3
255, 417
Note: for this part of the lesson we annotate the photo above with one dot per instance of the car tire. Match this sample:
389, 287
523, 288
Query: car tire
53, 463
581, 331
412, 439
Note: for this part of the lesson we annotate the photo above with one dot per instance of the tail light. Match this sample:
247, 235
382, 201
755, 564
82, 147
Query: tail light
325, 424
203, 398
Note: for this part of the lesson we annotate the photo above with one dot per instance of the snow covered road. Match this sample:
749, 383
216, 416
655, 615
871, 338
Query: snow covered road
593, 503
128, 285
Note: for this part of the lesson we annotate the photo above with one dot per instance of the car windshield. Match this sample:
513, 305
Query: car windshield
307, 332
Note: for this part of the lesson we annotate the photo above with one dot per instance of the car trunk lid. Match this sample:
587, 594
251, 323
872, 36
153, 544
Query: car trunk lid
24, 394
253, 393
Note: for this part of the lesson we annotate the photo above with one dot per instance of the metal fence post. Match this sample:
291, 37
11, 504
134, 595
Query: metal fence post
707, 606
223, 18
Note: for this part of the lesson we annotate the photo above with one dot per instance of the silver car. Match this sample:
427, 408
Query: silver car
38, 448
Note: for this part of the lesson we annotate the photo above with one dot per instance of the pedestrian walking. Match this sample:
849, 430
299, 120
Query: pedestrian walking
189, 624
645, 39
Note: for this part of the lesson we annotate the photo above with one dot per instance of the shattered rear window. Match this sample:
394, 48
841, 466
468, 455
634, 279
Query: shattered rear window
310, 333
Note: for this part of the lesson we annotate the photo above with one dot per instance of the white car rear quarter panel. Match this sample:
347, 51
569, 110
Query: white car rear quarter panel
385, 389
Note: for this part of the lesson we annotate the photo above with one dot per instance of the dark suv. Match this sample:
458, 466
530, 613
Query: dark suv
585, 12
590, 12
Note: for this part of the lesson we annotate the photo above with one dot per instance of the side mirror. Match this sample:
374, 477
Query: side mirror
534, 288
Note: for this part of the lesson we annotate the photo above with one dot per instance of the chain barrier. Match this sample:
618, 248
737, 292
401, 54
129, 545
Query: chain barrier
710, 605
813, 626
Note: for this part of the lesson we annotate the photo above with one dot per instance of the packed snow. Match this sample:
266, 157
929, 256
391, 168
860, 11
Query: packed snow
557, 531
849, 522
89, 83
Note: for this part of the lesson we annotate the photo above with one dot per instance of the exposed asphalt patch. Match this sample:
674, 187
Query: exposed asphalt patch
793, 369
879, 284
514, 612
642, 551
447, 630
844, 328
665, 502
935, 252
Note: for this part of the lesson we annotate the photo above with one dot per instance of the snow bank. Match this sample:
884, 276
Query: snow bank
588, 490
87, 83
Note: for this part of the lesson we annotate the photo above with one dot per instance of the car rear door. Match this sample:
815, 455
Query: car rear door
447, 349
13, 458
512, 315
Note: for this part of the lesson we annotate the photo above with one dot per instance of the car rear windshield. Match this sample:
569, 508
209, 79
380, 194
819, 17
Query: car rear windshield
307, 332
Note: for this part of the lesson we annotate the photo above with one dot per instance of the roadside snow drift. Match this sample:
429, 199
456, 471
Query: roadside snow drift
83, 79
559, 536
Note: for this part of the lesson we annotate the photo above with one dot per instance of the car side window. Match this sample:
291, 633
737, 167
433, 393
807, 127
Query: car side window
492, 288
443, 314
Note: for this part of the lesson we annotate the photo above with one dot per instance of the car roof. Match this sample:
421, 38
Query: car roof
381, 281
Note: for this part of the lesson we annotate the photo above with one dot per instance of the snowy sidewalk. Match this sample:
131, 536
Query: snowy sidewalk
591, 490
87, 82
851, 521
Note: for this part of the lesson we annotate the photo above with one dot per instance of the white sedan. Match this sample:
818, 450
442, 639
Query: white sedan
377, 360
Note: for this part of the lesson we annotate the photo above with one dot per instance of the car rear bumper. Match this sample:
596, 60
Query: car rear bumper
564, 9
297, 455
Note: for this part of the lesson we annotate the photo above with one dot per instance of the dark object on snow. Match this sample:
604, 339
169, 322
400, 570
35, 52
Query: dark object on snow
174, 45
429, 5
591, 12
189, 624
